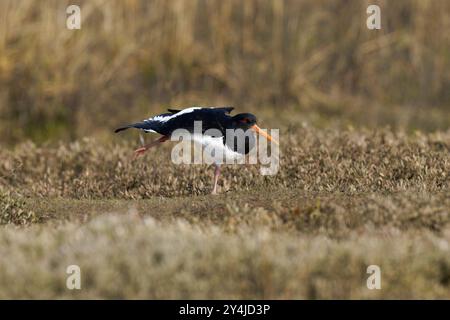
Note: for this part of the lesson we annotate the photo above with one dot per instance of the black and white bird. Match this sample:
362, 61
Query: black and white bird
211, 118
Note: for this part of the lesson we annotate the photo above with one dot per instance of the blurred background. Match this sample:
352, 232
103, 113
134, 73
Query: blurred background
290, 61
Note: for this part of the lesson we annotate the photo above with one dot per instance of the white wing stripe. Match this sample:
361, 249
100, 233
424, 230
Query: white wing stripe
167, 117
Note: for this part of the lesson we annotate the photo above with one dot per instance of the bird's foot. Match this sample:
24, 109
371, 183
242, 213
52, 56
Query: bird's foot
139, 152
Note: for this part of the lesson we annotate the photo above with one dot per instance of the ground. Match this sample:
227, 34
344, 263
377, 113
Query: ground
342, 200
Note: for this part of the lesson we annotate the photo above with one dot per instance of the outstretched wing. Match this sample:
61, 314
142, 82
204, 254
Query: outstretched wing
210, 118
224, 109
166, 123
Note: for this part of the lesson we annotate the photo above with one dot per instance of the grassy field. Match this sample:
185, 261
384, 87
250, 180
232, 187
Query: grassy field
343, 200
364, 179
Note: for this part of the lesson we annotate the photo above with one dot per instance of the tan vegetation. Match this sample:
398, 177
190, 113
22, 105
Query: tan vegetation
314, 58
123, 257
365, 150
311, 160
341, 201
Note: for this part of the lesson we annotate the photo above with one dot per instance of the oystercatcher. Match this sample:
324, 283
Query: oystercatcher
211, 118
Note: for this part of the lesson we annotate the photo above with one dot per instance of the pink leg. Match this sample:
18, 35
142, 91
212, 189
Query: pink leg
216, 178
142, 150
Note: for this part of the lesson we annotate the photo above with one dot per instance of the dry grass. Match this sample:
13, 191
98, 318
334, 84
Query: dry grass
13, 209
149, 229
311, 161
131, 57
122, 256
334, 215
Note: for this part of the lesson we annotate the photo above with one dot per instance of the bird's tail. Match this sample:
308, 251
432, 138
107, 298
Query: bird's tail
146, 126
122, 128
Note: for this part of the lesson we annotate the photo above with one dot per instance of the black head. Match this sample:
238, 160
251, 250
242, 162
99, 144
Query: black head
247, 121
244, 120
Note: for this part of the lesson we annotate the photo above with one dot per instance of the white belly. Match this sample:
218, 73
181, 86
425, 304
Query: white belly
215, 148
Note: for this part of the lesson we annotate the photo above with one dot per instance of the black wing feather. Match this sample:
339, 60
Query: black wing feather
185, 121
225, 109
139, 125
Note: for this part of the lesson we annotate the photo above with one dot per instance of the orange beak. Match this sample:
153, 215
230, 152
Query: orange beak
265, 135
